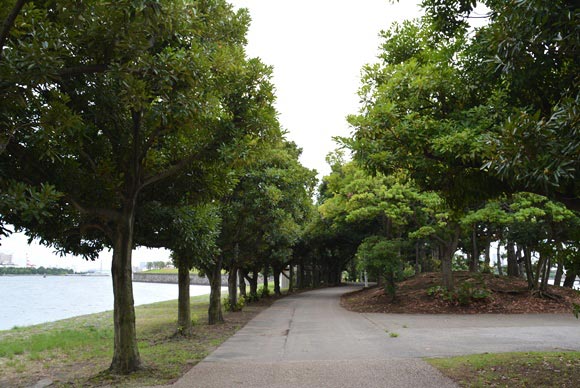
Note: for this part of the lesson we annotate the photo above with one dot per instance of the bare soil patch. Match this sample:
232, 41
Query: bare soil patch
506, 295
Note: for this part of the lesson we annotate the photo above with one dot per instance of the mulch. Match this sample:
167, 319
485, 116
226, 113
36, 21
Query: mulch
506, 296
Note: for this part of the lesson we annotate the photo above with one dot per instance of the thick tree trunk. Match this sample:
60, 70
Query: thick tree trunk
265, 279
276, 271
233, 288
184, 326
512, 261
447, 260
570, 278
242, 283
253, 280
125, 354
214, 312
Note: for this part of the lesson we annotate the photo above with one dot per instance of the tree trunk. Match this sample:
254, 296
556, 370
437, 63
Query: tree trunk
498, 259
487, 252
546, 274
474, 263
559, 273
300, 276
529, 269
416, 266
291, 279
233, 288
447, 260
276, 271
570, 278
253, 280
214, 312
512, 261
184, 326
125, 354
266, 273
241, 274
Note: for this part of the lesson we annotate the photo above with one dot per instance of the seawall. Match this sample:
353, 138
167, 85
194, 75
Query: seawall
172, 278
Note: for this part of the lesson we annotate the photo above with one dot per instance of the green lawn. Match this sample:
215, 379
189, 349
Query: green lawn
78, 350
524, 369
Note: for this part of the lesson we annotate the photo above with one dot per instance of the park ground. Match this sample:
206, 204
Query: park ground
76, 351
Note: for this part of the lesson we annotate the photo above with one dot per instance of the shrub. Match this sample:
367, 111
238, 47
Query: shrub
252, 297
238, 307
463, 295
264, 292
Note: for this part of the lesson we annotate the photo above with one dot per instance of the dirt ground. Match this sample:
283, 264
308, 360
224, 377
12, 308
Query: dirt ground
505, 296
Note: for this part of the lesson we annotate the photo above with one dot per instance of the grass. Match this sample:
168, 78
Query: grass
523, 369
77, 351
165, 271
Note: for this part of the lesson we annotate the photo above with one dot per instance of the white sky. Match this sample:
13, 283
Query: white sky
317, 49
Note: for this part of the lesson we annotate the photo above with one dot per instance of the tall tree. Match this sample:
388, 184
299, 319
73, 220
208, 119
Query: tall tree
528, 50
118, 101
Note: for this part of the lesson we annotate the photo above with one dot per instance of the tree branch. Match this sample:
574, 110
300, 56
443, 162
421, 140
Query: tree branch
169, 171
83, 69
9, 23
150, 140
106, 214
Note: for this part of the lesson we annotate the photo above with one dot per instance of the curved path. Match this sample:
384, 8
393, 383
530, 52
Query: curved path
308, 340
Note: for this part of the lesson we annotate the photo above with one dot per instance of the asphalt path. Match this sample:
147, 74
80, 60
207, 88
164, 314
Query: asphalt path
308, 340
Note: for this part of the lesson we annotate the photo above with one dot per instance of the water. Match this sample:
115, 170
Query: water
29, 300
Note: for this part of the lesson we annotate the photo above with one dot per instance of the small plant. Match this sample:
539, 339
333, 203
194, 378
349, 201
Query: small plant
238, 307
264, 292
405, 327
463, 295
393, 335
252, 297
408, 272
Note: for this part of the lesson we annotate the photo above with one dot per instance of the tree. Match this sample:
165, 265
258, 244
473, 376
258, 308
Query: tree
119, 103
529, 51
197, 230
263, 215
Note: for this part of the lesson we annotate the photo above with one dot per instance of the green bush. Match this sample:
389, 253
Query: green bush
408, 272
463, 295
238, 307
252, 297
264, 292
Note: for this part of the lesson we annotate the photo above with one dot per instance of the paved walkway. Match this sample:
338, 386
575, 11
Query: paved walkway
308, 340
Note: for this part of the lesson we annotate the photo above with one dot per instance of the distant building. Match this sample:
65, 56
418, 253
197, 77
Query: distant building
6, 260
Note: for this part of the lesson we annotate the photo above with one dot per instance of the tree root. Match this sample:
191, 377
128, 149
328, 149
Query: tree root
546, 295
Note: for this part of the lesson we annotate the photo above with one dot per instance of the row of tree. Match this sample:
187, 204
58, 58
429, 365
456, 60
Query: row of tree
465, 136
34, 271
145, 124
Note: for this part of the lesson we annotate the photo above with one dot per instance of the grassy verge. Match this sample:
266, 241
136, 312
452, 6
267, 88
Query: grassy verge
78, 350
530, 369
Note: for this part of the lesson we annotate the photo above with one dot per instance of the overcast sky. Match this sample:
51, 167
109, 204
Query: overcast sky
317, 49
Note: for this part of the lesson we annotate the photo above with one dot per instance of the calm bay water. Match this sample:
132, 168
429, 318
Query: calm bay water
29, 300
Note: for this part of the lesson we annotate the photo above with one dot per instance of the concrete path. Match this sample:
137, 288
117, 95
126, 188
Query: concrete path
308, 340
